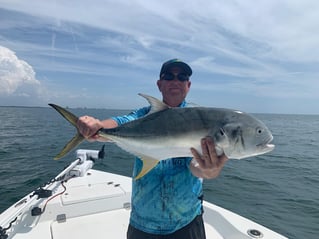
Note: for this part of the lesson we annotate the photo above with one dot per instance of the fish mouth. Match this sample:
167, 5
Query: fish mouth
266, 146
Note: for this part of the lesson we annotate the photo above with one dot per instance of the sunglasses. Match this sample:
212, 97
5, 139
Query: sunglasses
171, 76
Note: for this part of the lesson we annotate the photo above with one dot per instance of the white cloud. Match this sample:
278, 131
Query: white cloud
286, 28
15, 73
244, 67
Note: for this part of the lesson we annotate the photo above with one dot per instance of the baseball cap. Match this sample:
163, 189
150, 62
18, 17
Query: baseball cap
176, 62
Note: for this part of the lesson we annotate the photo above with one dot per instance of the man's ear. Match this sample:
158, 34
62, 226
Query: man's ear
159, 85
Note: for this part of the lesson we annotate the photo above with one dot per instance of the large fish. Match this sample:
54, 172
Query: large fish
167, 132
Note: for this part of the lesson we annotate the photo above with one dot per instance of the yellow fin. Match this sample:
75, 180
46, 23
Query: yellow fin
148, 165
77, 139
66, 114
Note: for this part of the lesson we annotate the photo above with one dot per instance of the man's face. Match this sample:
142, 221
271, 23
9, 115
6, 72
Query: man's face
173, 91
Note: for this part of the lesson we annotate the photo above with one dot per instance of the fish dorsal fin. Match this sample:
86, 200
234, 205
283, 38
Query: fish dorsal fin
156, 104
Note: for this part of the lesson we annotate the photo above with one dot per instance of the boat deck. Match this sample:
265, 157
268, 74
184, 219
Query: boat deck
97, 205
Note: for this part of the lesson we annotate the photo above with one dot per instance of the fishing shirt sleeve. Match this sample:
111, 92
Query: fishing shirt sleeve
136, 114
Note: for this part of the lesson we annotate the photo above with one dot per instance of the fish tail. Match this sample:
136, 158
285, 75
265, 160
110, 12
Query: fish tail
77, 139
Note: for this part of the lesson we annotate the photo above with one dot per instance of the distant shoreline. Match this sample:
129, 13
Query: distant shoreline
75, 108
87, 108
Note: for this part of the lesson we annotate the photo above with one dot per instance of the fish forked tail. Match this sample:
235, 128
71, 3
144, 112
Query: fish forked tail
76, 140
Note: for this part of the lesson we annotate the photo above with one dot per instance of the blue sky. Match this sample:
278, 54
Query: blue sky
258, 57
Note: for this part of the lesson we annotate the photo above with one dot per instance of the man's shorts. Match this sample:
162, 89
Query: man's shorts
194, 230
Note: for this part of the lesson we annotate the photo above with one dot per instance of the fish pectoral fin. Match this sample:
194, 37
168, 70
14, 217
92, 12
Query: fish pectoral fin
77, 139
148, 165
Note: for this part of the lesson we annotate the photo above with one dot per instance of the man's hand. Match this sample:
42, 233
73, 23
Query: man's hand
209, 164
88, 127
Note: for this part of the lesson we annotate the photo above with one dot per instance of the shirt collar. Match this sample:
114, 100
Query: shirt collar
183, 104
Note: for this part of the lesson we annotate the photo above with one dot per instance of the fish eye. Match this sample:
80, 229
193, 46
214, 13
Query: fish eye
259, 130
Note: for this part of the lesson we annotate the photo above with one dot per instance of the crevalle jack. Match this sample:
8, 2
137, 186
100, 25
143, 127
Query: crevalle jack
167, 132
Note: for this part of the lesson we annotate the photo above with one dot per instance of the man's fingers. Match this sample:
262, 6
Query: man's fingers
210, 145
209, 153
209, 157
209, 163
198, 158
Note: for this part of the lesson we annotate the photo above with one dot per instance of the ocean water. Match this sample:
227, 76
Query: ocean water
279, 190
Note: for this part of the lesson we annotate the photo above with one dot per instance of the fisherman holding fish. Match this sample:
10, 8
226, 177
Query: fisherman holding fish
176, 147
167, 201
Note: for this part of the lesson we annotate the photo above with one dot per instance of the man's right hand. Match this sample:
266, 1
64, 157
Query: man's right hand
88, 126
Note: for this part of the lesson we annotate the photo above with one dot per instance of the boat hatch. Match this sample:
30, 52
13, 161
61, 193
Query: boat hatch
111, 224
91, 192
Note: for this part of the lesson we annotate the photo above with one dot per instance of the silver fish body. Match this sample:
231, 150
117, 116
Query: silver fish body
173, 131
170, 132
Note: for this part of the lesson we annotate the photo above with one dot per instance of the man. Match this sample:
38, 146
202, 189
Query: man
167, 201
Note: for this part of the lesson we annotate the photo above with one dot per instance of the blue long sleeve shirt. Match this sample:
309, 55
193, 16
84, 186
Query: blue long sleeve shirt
169, 196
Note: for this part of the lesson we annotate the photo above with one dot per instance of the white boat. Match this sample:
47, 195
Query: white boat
85, 203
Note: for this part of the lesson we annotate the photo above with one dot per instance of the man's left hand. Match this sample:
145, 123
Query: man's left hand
209, 164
